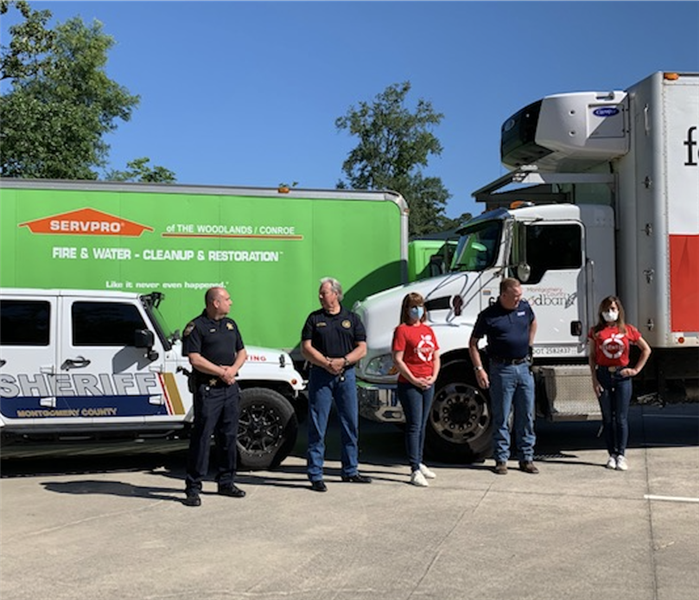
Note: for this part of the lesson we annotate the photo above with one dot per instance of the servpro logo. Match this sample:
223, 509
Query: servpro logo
86, 221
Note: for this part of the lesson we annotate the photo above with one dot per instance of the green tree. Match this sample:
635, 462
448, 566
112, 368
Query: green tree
60, 102
140, 170
394, 146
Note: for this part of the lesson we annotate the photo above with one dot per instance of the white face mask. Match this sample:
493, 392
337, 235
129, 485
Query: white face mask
610, 315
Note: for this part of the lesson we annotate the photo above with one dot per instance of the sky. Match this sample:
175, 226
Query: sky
247, 93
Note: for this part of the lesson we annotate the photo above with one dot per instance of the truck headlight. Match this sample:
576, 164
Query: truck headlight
381, 366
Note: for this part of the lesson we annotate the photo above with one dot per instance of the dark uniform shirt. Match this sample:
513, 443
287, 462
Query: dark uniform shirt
218, 341
507, 331
334, 336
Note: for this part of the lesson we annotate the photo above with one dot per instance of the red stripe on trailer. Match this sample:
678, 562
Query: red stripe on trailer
684, 283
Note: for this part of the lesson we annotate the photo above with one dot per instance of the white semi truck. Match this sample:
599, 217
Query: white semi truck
610, 206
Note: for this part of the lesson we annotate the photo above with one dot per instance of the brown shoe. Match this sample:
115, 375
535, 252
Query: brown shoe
528, 467
500, 468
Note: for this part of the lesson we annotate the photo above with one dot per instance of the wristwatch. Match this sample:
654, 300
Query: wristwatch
478, 368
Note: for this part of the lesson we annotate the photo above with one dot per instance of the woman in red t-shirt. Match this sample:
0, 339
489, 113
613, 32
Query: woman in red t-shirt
609, 344
416, 356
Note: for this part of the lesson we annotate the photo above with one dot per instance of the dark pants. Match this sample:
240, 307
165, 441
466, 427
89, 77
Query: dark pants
416, 404
614, 402
215, 413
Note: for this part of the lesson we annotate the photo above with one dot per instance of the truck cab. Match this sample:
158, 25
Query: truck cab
559, 252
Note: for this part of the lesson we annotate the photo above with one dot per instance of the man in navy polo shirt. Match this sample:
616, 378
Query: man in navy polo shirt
332, 341
215, 349
509, 326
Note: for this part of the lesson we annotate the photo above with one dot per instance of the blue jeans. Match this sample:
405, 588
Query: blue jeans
614, 402
512, 386
323, 388
416, 404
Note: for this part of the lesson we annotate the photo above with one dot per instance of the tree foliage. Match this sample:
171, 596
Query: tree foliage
60, 103
140, 170
394, 146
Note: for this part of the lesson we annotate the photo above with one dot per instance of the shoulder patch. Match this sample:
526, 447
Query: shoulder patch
188, 329
229, 326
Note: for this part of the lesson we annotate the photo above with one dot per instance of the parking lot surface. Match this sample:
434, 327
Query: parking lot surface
105, 523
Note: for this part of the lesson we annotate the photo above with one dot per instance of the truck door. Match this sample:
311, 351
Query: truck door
554, 253
104, 375
27, 358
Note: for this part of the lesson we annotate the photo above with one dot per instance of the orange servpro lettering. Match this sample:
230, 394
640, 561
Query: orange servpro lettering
86, 221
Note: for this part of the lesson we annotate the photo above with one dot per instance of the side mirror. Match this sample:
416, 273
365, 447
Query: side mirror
144, 338
524, 272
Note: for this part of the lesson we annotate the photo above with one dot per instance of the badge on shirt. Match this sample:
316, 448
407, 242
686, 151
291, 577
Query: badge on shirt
229, 326
188, 329
347, 323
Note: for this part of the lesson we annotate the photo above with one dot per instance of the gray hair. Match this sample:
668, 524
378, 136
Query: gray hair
335, 285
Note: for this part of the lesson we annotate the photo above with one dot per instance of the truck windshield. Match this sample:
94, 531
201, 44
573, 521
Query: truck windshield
478, 247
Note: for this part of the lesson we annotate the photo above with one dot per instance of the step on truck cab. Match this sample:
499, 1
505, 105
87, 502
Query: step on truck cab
104, 364
602, 200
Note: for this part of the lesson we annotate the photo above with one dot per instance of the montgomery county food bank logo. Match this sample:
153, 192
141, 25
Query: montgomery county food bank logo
86, 221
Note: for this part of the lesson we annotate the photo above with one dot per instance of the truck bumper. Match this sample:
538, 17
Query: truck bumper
378, 402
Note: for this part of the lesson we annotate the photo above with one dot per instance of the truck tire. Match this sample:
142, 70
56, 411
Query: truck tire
460, 424
267, 429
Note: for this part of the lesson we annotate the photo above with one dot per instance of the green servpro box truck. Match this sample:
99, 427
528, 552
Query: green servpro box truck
269, 247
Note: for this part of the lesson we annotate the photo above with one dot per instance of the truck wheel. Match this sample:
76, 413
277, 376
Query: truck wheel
460, 423
267, 429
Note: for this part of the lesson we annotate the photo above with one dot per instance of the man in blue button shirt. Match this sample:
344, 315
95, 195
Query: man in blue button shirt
509, 326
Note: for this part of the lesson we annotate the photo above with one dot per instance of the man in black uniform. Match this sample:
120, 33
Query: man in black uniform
216, 352
333, 340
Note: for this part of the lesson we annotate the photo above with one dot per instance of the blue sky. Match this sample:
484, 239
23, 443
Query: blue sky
247, 93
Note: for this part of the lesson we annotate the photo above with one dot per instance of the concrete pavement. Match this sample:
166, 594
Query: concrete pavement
111, 525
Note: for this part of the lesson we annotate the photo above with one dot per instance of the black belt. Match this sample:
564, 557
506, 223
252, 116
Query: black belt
509, 361
611, 369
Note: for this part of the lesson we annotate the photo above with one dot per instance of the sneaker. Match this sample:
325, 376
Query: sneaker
427, 472
621, 464
611, 462
417, 478
500, 468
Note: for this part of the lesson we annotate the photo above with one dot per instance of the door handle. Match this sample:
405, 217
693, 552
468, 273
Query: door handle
75, 363
576, 328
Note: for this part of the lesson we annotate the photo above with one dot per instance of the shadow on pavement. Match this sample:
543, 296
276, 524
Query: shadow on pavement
381, 445
113, 488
